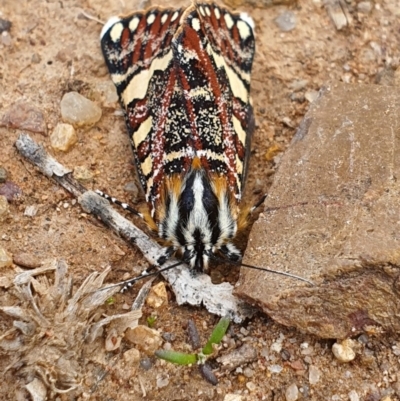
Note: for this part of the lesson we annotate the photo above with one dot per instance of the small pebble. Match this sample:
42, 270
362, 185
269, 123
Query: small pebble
193, 334
11, 191
364, 7
31, 210
35, 59
157, 296
146, 363
292, 393
344, 352
4, 208
251, 386
314, 374
26, 260
146, 339
25, 117
170, 337
275, 368
5, 258
82, 174
167, 346
233, 397
286, 21
162, 380
6, 39
208, 374
3, 175
5, 25
311, 96
113, 340
132, 356
63, 137
248, 372
78, 110
244, 331
353, 396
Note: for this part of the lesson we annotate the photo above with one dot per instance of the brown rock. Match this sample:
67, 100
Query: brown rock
26, 260
24, 116
337, 219
145, 339
157, 296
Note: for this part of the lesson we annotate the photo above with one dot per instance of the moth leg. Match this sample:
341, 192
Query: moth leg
119, 203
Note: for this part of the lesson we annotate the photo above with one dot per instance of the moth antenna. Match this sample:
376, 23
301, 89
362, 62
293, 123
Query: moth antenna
119, 203
126, 284
259, 203
266, 269
277, 272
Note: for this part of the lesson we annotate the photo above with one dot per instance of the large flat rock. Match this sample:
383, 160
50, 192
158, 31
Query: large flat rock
344, 163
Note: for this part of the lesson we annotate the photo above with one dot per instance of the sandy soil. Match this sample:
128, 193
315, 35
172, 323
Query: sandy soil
52, 48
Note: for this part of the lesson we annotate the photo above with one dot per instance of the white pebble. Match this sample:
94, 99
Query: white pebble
344, 352
78, 110
292, 393
63, 137
353, 396
314, 375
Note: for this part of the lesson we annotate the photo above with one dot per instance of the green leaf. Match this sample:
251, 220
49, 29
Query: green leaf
176, 357
216, 336
151, 320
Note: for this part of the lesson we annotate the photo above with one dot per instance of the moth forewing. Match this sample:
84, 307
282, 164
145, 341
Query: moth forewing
183, 79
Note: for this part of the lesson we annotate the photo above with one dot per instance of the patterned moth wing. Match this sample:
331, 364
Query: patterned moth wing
183, 78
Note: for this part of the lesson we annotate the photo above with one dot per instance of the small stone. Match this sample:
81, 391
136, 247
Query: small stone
108, 93
298, 84
5, 282
35, 59
364, 7
25, 117
132, 189
146, 339
353, 396
208, 374
6, 39
4, 208
146, 363
251, 386
162, 380
311, 95
63, 137
78, 110
314, 374
344, 352
5, 25
170, 337
132, 356
248, 372
5, 258
157, 296
286, 21
275, 368
82, 174
292, 393
3, 175
31, 210
233, 397
37, 389
11, 191
26, 260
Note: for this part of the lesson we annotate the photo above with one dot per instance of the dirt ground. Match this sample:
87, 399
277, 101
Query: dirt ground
52, 48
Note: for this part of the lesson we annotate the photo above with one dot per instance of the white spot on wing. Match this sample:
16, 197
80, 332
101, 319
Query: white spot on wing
202, 12
217, 13
174, 16
108, 25
196, 24
228, 20
151, 18
164, 18
133, 24
147, 165
208, 12
244, 29
246, 17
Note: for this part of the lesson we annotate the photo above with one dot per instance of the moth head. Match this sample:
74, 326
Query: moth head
199, 218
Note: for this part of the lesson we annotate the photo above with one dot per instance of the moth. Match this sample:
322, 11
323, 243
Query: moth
183, 80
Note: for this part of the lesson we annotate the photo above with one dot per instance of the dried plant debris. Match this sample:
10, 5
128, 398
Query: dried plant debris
53, 328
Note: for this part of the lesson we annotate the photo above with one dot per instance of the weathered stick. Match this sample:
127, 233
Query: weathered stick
194, 290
